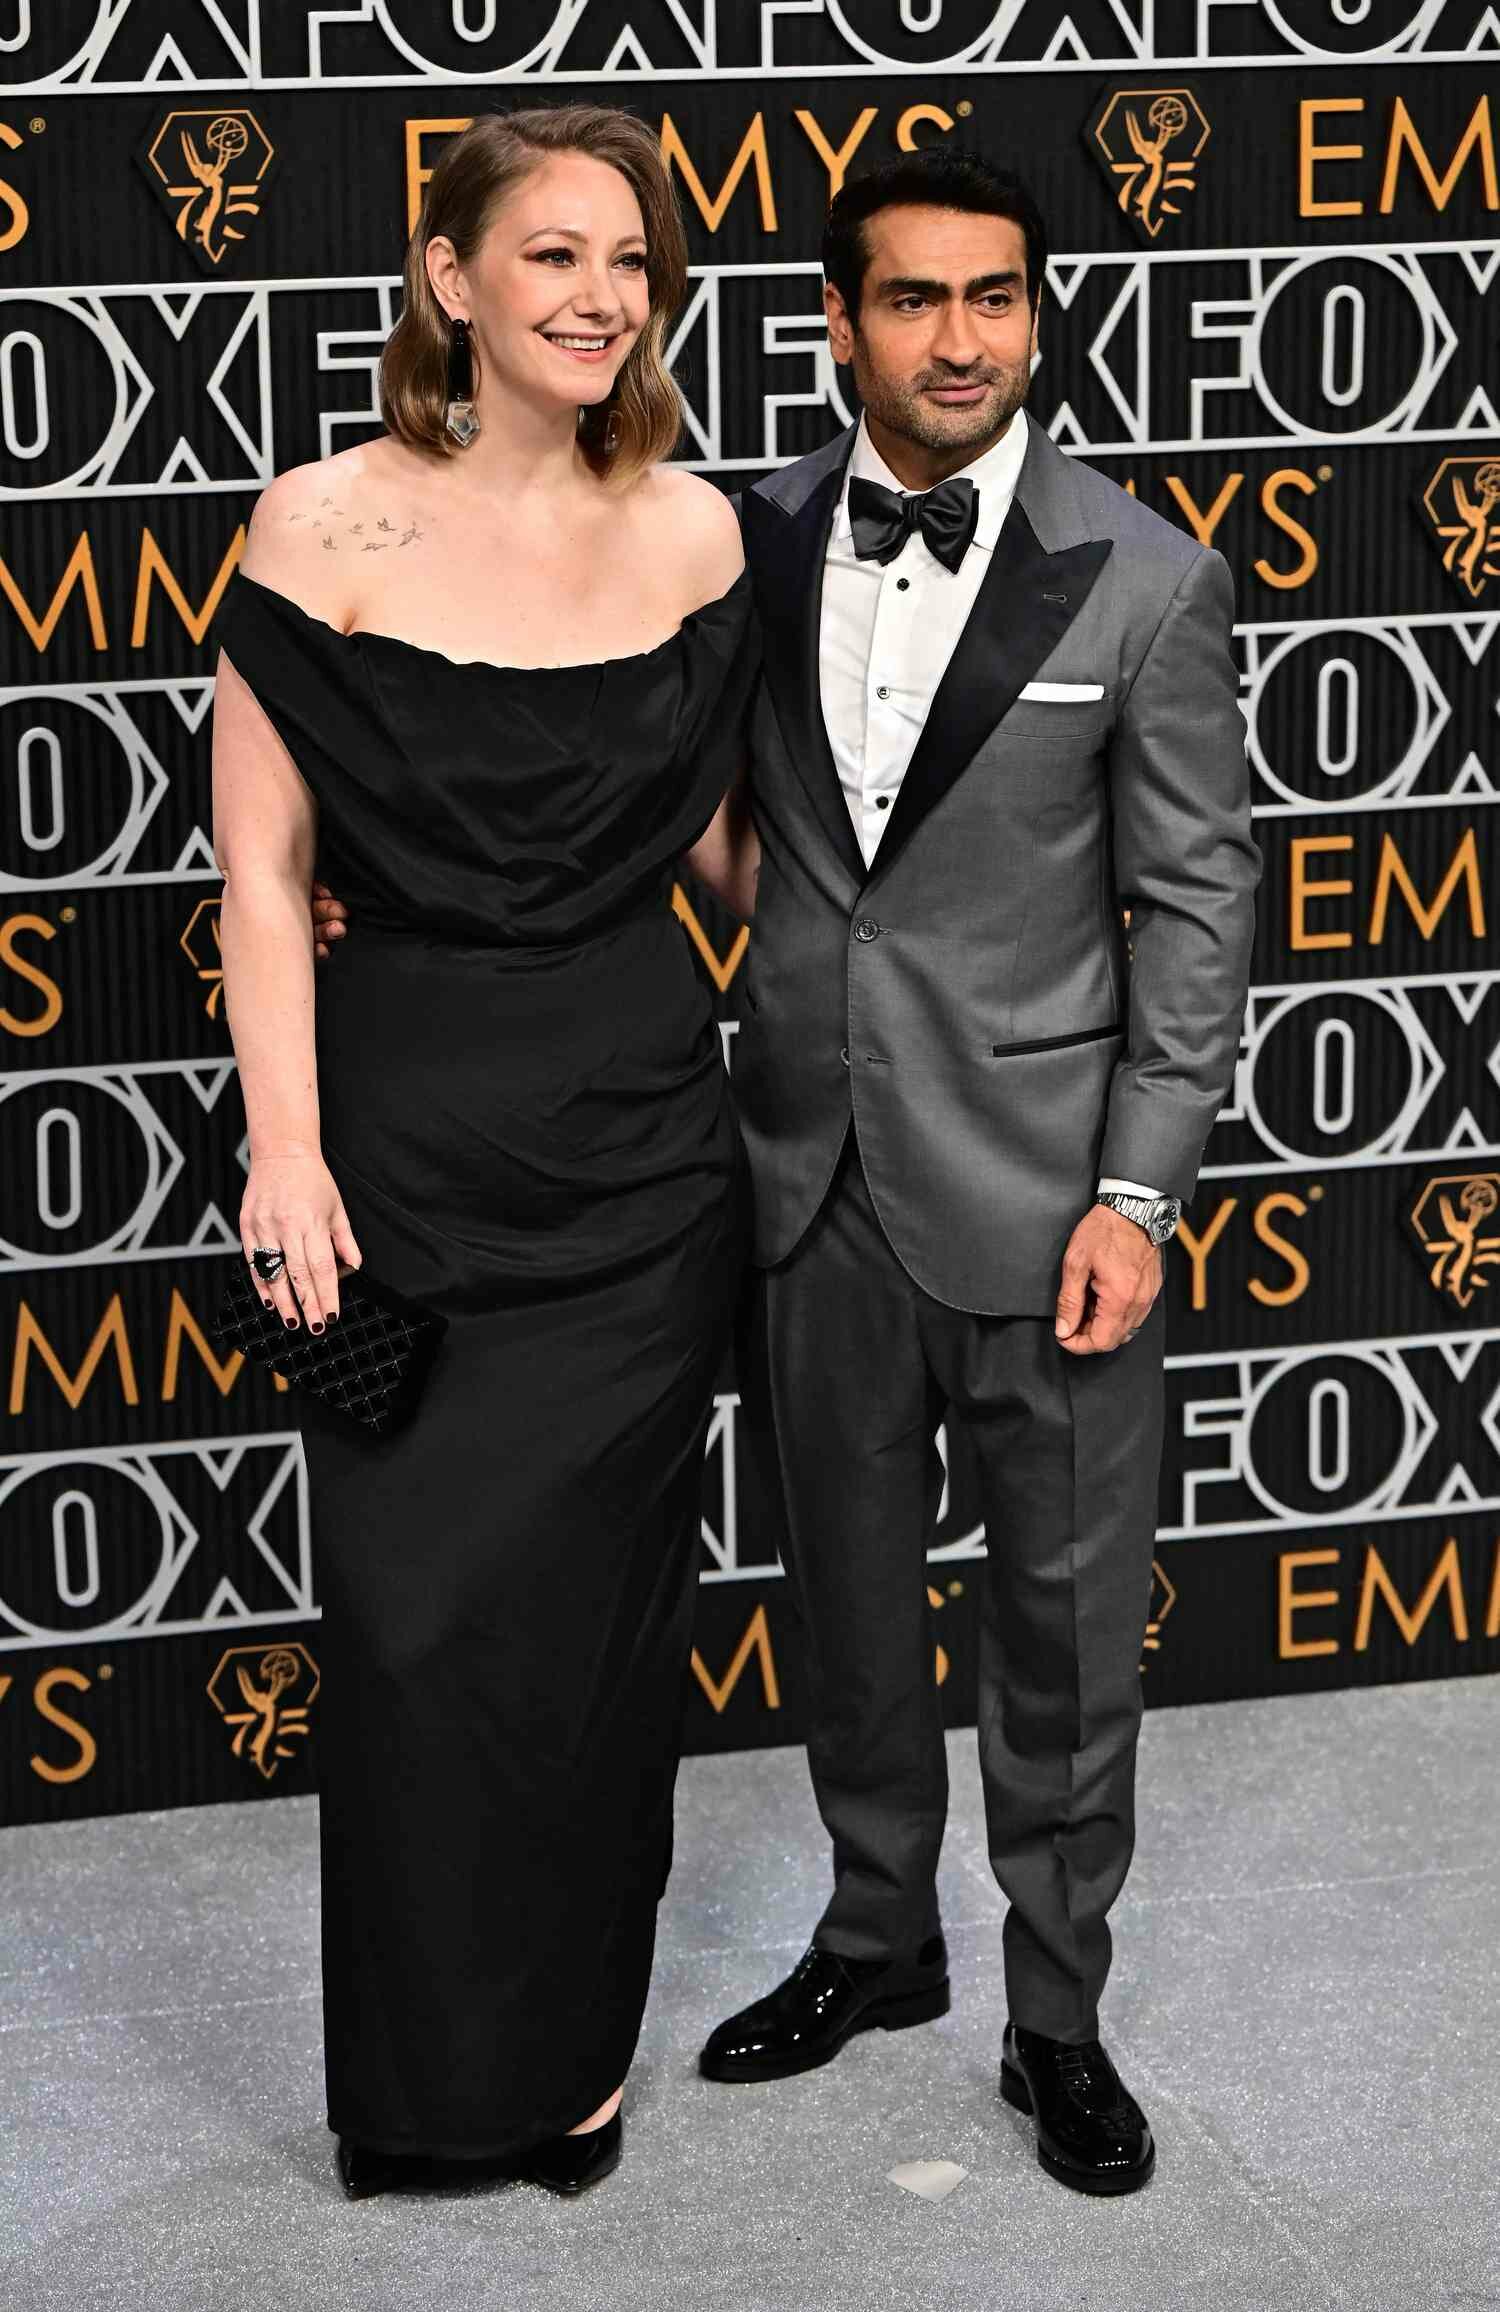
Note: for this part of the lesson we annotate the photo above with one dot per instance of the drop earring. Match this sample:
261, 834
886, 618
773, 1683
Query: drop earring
461, 420
607, 436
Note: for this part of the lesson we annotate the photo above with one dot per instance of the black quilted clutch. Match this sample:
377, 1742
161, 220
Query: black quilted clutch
370, 1365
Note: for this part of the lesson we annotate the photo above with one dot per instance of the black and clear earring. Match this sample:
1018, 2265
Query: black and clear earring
462, 418
605, 437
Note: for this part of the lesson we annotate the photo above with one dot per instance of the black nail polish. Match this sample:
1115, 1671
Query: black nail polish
312, 1328
265, 1303
291, 1324
333, 1316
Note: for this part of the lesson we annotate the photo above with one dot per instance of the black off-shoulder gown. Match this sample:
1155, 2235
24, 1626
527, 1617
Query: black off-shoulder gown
524, 1105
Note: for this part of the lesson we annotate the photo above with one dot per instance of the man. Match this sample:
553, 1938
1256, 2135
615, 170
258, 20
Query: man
1000, 708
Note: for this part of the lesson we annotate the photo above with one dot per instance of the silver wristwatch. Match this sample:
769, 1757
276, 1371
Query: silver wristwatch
1158, 1215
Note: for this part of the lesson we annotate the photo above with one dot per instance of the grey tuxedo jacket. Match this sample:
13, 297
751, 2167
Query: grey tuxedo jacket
973, 1002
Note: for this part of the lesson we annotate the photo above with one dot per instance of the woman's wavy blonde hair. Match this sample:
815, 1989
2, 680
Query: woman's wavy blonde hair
472, 178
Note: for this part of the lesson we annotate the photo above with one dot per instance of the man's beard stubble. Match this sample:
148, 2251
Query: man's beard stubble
898, 405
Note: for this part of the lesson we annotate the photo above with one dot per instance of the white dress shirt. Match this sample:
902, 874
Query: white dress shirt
888, 631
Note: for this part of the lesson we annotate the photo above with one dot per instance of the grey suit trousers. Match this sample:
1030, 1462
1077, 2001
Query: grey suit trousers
847, 1368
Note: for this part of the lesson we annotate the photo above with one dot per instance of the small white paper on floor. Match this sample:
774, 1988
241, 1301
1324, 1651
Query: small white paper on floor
930, 2179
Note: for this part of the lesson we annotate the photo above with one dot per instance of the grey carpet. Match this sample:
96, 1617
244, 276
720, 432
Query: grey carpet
1306, 1998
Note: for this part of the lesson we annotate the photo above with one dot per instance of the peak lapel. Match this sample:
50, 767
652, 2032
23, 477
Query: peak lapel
786, 545
1027, 602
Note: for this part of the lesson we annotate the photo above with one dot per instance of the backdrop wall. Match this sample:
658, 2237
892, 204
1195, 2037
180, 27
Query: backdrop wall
1272, 313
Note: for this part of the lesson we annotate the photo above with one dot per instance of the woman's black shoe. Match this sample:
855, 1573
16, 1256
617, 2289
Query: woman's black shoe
363, 2172
570, 2163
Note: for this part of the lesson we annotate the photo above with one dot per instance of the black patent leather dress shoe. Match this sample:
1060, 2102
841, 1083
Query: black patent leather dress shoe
822, 2003
570, 2163
1090, 2131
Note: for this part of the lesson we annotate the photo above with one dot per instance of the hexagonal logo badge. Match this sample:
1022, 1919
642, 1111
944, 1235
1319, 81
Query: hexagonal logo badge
265, 1694
1450, 1221
1462, 506
1148, 142
208, 166
200, 944
1163, 1598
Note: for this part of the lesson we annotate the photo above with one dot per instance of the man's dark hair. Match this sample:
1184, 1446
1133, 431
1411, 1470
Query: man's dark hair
937, 178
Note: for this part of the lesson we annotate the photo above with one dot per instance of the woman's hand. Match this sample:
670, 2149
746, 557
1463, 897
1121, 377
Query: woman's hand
292, 1200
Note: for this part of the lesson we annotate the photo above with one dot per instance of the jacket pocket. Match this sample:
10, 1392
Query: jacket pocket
1078, 723
1055, 1043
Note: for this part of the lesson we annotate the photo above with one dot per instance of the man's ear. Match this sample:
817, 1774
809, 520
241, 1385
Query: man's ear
840, 327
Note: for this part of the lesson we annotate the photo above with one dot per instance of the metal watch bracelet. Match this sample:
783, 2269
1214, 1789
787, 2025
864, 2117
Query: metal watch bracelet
1157, 1215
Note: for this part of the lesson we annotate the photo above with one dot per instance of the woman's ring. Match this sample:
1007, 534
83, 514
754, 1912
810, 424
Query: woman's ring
268, 1261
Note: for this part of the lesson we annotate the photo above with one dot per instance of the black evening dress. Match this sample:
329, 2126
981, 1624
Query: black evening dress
524, 1104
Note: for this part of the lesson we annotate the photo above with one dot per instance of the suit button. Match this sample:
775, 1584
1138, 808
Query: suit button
844, 1055
866, 928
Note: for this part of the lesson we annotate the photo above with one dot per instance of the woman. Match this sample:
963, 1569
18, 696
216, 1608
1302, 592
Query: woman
511, 1105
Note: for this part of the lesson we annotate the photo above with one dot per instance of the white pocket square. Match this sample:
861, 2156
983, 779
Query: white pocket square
1062, 693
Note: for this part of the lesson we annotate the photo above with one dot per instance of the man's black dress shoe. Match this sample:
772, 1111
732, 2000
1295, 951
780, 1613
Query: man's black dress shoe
823, 2002
1090, 2131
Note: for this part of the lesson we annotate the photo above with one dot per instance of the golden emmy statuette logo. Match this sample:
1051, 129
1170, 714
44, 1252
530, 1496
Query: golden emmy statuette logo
1147, 141
200, 944
265, 1694
940, 1664
1462, 502
208, 166
1449, 1218
1163, 1598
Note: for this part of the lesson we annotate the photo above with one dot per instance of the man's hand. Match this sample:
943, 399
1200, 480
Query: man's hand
330, 921
1111, 1274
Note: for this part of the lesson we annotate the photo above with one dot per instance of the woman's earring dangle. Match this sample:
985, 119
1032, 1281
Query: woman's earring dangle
608, 436
461, 420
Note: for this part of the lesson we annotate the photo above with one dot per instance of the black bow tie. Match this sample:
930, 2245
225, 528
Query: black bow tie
883, 520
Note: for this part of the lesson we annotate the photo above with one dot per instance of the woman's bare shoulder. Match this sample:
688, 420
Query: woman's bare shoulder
688, 518
312, 523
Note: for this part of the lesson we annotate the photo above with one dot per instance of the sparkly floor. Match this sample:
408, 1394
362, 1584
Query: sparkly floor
1306, 1999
